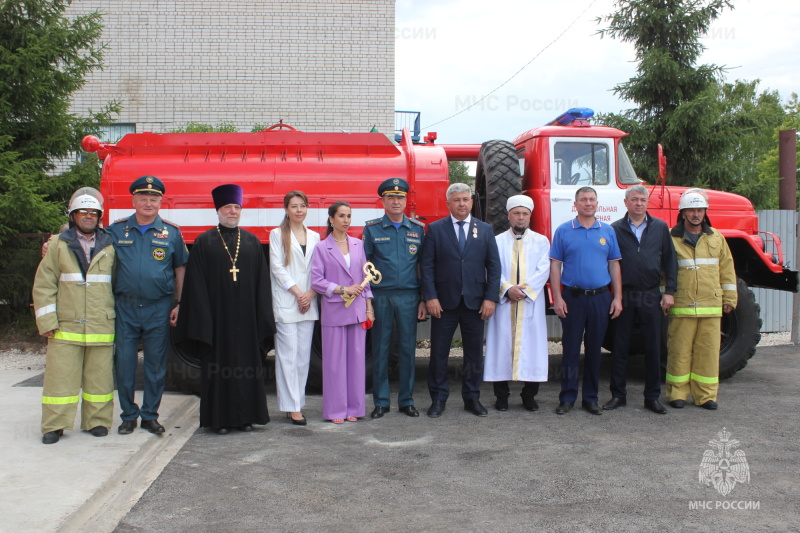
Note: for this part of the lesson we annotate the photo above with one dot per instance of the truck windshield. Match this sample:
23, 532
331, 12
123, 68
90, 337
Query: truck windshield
581, 163
627, 175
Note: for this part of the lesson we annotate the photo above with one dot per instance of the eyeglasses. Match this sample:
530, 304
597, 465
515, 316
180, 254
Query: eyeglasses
89, 213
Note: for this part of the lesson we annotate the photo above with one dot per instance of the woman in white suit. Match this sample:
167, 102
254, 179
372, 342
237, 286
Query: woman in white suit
293, 303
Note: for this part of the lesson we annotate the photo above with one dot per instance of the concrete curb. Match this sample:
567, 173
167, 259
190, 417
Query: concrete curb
103, 511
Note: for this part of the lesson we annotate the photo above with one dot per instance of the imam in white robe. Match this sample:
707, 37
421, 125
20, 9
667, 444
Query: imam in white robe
516, 337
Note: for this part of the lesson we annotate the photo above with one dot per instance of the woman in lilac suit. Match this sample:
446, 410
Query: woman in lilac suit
336, 269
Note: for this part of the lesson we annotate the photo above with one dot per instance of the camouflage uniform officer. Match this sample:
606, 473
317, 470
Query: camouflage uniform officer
392, 243
151, 261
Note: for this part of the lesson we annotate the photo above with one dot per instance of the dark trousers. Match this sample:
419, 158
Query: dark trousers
646, 306
529, 390
150, 322
442, 330
586, 320
394, 307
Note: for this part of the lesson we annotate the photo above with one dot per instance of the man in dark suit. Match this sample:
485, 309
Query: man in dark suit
460, 270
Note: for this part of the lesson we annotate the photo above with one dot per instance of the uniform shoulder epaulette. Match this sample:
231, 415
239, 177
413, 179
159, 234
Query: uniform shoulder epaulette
373, 221
123, 219
417, 222
174, 225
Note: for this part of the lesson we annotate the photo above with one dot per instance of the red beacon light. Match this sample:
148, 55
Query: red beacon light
577, 116
90, 143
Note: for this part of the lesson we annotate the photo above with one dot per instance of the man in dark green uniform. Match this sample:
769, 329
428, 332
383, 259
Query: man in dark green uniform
151, 261
392, 243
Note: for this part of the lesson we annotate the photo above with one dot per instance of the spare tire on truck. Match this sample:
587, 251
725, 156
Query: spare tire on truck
497, 178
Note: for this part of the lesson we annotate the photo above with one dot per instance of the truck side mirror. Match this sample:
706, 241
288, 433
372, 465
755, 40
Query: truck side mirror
662, 165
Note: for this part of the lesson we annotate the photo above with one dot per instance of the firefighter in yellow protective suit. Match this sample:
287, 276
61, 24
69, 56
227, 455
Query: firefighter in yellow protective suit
74, 305
706, 289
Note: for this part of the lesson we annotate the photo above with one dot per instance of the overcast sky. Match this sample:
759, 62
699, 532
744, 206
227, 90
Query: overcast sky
449, 53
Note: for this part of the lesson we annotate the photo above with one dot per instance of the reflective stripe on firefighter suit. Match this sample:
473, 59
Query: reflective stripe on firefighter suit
76, 299
706, 281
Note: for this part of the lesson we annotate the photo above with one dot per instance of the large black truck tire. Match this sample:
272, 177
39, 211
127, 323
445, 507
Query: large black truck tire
183, 369
497, 178
741, 333
314, 382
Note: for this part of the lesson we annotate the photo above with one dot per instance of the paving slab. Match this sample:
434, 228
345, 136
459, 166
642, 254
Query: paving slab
58, 487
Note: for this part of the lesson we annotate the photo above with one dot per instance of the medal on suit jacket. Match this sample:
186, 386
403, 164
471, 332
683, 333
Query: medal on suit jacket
372, 275
475, 232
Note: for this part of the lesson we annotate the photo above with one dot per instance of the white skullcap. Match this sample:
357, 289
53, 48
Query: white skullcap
520, 200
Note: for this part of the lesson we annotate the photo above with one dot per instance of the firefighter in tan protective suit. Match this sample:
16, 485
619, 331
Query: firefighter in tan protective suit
706, 289
74, 307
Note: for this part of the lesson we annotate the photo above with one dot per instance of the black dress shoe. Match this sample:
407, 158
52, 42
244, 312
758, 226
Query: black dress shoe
246, 427
529, 403
51, 437
127, 427
613, 403
592, 408
299, 422
409, 410
564, 408
711, 405
378, 412
99, 431
221, 431
153, 427
474, 406
436, 409
677, 404
501, 404
655, 406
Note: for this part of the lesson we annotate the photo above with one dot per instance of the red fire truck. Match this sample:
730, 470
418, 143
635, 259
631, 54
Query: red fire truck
547, 163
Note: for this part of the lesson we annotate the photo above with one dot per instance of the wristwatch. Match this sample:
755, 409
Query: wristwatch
341, 288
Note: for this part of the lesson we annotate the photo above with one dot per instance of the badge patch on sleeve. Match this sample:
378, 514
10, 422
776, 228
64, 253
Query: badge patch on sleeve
159, 254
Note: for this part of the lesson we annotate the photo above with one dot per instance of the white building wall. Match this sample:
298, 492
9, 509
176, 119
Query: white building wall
318, 65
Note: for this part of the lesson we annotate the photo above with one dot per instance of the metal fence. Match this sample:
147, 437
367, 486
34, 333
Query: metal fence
776, 306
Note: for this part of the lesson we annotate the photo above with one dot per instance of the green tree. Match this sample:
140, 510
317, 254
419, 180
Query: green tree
459, 173
198, 127
44, 58
768, 167
714, 133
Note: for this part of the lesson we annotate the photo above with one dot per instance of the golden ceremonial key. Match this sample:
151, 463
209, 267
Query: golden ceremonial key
372, 275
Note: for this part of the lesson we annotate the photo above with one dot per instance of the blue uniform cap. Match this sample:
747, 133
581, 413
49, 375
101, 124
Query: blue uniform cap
393, 187
147, 185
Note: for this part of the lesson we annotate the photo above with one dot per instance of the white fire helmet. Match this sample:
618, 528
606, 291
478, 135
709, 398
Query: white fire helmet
85, 201
693, 200
91, 191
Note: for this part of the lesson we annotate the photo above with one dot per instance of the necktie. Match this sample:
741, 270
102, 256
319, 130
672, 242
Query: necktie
462, 238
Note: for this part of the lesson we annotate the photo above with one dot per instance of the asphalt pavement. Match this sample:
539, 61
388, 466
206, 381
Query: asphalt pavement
627, 470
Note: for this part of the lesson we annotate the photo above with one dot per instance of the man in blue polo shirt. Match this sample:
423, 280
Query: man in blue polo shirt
581, 246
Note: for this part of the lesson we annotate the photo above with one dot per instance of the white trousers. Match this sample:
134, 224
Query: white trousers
292, 356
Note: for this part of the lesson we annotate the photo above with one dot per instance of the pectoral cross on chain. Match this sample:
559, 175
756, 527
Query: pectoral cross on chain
233, 271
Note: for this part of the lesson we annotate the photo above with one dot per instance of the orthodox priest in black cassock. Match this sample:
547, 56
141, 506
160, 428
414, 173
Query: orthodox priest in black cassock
225, 318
